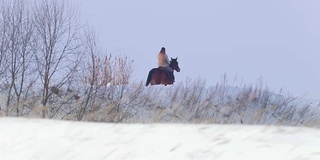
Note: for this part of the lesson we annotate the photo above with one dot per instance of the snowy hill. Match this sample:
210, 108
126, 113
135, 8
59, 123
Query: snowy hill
26, 139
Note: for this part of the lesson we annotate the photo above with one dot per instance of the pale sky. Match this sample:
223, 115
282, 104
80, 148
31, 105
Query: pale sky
276, 40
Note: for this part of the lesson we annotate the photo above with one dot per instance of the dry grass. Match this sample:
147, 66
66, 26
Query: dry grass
188, 102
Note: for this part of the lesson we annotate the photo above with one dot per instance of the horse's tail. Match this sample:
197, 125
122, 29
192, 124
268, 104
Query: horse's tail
149, 77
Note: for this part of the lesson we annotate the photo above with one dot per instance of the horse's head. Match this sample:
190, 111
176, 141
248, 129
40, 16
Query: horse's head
174, 64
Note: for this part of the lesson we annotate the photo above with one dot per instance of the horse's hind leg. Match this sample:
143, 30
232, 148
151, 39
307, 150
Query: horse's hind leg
156, 79
153, 82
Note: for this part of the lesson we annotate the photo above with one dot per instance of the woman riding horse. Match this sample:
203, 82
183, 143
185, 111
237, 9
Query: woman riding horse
163, 61
164, 73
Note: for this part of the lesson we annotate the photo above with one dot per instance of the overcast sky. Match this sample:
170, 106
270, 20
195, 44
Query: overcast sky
276, 40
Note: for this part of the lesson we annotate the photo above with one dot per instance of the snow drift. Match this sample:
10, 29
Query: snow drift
22, 138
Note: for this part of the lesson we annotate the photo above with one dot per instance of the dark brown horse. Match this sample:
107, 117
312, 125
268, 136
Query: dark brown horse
161, 76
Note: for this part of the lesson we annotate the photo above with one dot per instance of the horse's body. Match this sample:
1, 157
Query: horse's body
160, 75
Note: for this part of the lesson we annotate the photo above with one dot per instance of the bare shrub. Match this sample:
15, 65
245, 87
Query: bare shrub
98, 87
223, 104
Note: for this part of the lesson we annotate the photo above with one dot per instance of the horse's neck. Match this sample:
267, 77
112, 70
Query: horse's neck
170, 65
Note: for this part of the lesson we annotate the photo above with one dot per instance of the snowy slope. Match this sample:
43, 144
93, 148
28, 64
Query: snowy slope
26, 139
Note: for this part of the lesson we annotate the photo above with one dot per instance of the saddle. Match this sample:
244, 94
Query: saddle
169, 73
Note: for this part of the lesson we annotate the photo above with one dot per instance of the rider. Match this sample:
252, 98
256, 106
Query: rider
163, 61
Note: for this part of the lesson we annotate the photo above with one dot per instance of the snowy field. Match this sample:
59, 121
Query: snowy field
37, 139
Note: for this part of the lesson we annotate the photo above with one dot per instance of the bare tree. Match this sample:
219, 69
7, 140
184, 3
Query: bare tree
41, 49
101, 80
17, 48
59, 55
3, 41
3, 46
94, 76
97, 77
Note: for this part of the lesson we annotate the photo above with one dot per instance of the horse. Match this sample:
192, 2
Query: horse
160, 75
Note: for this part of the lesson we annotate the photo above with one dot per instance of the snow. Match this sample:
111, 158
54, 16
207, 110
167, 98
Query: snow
33, 139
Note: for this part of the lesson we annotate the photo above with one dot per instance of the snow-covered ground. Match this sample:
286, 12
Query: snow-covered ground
37, 139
